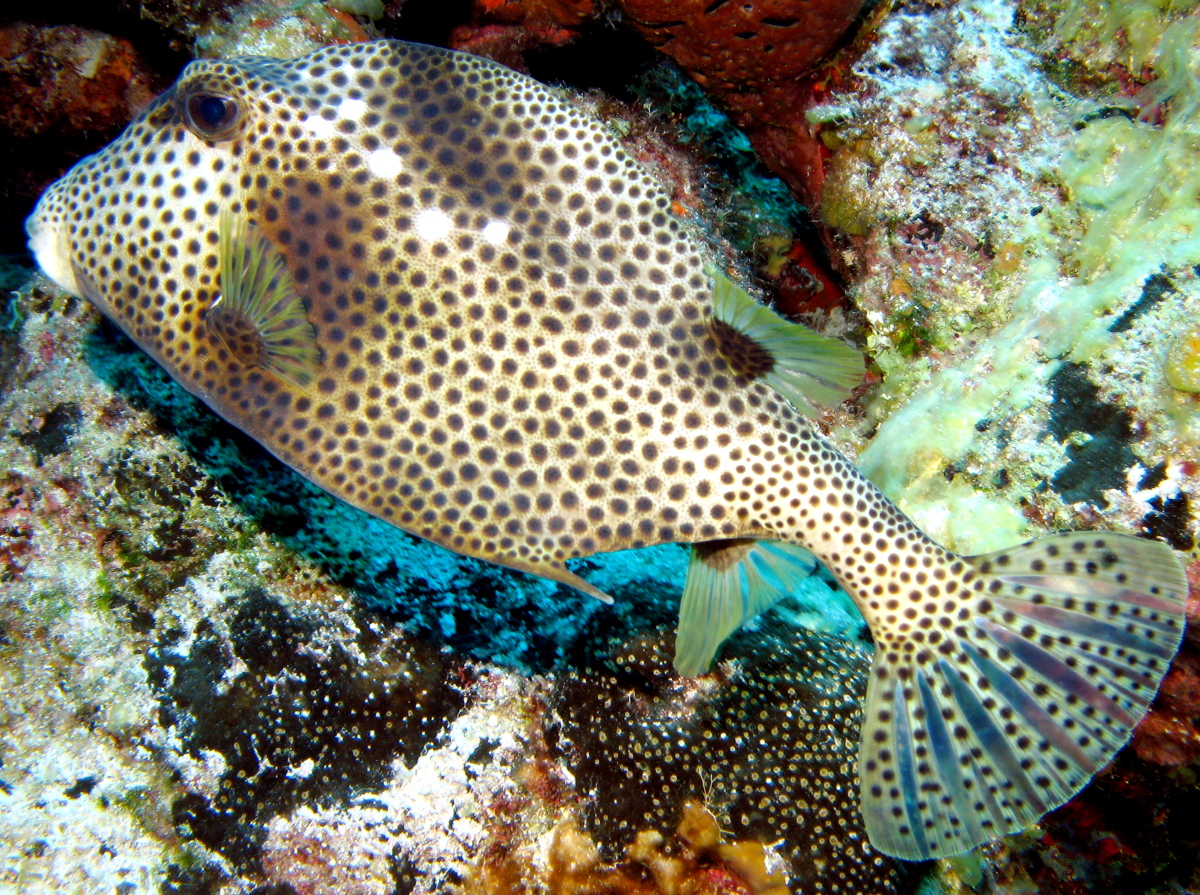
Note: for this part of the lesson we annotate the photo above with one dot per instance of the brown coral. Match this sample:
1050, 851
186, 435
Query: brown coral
67, 91
69, 80
696, 859
538, 14
752, 56
745, 53
504, 29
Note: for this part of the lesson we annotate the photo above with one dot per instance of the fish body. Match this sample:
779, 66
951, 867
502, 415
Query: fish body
446, 295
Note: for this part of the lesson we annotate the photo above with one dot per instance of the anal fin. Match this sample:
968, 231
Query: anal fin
728, 583
978, 724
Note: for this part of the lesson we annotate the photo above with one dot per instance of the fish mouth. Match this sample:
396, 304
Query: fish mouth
49, 243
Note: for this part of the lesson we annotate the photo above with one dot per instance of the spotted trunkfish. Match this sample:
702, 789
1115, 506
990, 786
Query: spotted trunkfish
447, 295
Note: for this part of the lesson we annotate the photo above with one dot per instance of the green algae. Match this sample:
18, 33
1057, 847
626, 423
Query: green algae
1182, 368
846, 202
50, 604
105, 592
1131, 212
1122, 31
913, 334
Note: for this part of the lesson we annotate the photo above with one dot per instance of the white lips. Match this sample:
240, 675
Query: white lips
49, 245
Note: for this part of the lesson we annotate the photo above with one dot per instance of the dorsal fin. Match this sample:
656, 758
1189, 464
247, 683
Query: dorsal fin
259, 316
810, 370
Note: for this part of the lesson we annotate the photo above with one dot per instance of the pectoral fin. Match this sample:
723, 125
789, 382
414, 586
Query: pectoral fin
260, 317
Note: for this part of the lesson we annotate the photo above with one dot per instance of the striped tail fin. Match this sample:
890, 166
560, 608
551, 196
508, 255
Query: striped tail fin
994, 716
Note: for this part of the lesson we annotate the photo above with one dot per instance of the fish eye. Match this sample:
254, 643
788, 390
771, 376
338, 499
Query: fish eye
212, 116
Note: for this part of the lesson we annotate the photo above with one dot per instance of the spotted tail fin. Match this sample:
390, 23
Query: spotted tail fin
1001, 710
728, 583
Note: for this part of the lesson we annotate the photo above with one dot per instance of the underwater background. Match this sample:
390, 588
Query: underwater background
216, 678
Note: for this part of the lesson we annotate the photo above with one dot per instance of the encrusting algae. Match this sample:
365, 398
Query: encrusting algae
1182, 370
518, 352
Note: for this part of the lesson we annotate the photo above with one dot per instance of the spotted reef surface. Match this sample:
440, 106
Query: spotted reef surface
216, 678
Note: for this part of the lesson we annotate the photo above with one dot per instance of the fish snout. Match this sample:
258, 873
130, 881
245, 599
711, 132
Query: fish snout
49, 240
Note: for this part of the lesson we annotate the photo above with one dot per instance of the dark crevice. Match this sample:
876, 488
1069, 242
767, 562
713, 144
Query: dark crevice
1154, 290
1171, 521
1099, 464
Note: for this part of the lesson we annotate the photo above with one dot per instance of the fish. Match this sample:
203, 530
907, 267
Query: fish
449, 296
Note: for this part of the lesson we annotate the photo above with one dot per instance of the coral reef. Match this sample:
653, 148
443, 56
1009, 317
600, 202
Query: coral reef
1099, 40
743, 52
257, 27
65, 81
178, 20
755, 59
67, 92
950, 189
268, 28
1182, 368
725, 187
505, 30
313, 713
218, 679
696, 859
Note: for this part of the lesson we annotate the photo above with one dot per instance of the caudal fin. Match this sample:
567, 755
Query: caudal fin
1002, 708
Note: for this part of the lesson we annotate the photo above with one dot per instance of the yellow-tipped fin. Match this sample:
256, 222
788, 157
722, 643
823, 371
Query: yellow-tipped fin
259, 316
728, 583
810, 370
1009, 710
